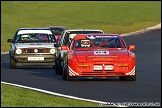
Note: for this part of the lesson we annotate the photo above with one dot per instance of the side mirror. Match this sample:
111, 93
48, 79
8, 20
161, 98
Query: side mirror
64, 47
131, 47
56, 45
9, 40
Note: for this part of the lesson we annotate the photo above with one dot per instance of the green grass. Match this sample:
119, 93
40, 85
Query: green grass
109, 16
12, 96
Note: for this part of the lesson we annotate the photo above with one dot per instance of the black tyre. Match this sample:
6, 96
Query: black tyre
67, 77
53, 66
12, 64
64, 75
121, 77
60, 69
128, 78
56, 67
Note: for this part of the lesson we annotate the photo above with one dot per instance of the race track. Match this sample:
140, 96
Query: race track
147, 87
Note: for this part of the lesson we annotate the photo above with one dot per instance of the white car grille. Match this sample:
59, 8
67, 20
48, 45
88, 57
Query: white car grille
36, 50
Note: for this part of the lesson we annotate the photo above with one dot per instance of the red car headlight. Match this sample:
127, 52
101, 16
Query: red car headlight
121, 65
83, 65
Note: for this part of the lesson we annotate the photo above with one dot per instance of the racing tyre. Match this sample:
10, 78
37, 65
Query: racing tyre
53, 66
60, 69
56, 67
67, 77
121, 77
64, 75
128, 78
12, 64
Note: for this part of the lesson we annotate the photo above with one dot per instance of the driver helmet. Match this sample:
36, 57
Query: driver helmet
85, 43
25, 37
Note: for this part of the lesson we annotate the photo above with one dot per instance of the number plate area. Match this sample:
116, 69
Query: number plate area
35, 58
103, 67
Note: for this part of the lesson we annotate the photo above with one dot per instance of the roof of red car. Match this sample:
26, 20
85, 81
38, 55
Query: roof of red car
56, 27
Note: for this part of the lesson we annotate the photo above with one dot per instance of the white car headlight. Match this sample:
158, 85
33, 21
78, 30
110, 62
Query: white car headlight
18, 51
52, 51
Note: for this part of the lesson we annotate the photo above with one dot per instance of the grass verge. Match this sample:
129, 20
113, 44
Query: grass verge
110, 16
12, 96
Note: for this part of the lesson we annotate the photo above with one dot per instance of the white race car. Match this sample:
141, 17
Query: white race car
32, 46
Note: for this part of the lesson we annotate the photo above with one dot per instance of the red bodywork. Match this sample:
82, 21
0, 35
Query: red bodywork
101, 61
54, 28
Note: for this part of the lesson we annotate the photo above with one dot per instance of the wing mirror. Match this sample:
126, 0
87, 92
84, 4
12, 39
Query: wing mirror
64, 47
131, 47
56, 45
9, 40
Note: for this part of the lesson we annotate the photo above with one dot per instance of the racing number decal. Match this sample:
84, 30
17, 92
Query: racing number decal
101, 52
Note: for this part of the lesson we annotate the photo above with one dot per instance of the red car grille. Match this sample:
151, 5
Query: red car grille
102, 70
101, 73
103, 67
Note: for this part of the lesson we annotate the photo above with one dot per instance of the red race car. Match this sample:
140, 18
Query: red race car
99, 55
57, 31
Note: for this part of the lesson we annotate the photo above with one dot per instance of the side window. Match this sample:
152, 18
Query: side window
52, 37
16, 37
66, 39
61, 38
59, 41
115, 43
75, 44
123, 44
44, 37
112, 44
118, 43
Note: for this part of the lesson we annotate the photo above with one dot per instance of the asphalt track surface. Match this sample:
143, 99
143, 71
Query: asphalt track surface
146, 88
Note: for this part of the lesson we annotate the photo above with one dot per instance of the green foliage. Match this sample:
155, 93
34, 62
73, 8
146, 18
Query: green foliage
110, 16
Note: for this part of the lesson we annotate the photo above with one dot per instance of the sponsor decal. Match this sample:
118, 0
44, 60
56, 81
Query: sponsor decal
91, 37
104, 36
102, 59
101, 52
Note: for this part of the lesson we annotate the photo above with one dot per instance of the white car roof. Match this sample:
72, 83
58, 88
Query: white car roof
84, 30
72, 36
34, 31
